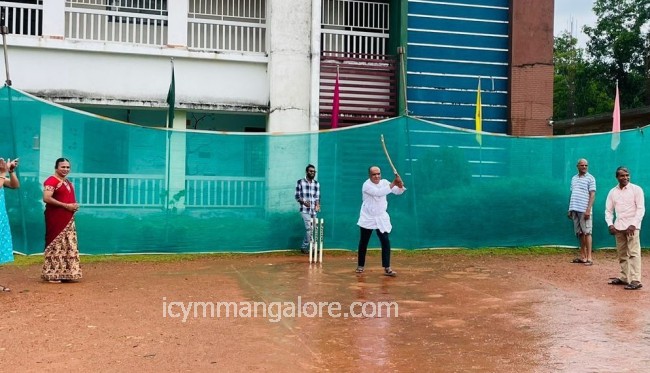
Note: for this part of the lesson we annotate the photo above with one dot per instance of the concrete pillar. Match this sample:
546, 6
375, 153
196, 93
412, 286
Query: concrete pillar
289, 27
177, 23
289, 32
288, 157
314, 124
50, 144
54, 19
177, 162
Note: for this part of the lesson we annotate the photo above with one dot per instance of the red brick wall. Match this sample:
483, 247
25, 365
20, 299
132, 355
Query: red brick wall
531, 67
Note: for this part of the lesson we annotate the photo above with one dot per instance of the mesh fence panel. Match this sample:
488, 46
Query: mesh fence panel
154, 190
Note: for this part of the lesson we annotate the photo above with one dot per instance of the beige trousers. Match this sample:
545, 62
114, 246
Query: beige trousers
629, 255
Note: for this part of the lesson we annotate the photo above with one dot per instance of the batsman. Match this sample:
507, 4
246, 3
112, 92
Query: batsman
373, 216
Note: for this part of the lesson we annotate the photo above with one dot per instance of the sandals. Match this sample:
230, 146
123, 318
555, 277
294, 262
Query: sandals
579, 261
589, 262
634, 285
4, 289
389, 272
617, 281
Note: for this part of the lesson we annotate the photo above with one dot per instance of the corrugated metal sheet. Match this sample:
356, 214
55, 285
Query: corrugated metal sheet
451, 44
367, 86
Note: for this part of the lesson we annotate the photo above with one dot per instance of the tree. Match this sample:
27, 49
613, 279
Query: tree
578, 86
618, 47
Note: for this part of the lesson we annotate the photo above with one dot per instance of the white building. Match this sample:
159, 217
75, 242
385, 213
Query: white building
240, 65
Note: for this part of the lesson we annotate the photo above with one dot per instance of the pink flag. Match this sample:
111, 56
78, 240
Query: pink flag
616, 123
335, 102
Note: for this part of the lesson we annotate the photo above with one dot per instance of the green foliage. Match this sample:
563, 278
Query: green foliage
578, 88
618, 38
175, 200
617, 51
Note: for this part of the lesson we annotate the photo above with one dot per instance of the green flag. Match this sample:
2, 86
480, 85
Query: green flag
171, 100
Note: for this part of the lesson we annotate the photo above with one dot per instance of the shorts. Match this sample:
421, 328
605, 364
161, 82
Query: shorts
580, 225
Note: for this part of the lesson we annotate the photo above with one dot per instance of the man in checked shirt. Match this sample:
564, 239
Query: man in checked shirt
308, 197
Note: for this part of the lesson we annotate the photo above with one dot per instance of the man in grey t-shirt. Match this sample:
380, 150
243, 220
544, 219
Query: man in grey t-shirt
583, 193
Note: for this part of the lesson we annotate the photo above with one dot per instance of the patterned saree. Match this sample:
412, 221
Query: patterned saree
61, 252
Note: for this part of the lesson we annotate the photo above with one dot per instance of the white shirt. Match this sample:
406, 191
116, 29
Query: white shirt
373, 213
628, 204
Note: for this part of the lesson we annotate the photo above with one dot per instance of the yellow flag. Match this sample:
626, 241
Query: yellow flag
479, 114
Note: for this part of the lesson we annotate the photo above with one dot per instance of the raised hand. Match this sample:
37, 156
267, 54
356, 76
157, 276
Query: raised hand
12, 164
398, 181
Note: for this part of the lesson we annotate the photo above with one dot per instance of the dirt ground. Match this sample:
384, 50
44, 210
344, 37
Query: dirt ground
456, 313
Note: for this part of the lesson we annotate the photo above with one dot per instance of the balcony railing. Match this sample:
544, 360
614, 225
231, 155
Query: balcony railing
227, 25
122, 21
222, 192
121, 190
354, 26
148, 191
22, 19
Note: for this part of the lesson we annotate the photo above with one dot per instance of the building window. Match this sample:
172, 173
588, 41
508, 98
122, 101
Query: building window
22, 17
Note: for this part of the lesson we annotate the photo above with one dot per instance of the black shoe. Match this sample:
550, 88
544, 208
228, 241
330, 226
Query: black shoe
304, 251
616, 281
634, 285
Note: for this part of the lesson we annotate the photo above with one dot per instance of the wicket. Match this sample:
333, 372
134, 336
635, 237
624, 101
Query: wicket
316, 241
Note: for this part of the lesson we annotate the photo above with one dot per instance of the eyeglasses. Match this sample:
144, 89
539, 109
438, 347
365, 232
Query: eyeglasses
377, 174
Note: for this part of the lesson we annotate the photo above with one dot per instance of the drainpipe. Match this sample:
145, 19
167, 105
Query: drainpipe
314, 111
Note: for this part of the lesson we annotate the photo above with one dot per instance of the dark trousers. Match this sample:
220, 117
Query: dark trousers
363, 247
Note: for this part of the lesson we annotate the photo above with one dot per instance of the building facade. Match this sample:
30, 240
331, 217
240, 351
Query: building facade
273, 65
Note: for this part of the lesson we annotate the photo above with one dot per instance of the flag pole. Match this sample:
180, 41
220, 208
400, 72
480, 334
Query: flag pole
4, 31
478, 122
616, 120
171, 98
402, 68
336, 101
171, 101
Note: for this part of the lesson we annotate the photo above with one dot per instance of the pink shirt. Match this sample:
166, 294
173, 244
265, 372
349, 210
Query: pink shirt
629, 205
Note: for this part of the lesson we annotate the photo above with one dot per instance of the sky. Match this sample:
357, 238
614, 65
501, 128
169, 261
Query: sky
574, 12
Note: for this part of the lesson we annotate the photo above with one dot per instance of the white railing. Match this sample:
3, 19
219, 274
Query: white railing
122, 21
365, 15
129, 190
227, 25
238, 192
354, 26
119, 190
22, 19
354, 42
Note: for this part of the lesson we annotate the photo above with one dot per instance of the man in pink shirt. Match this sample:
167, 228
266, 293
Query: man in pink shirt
626, 201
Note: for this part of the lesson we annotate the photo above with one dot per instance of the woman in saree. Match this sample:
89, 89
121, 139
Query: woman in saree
8, 179
61, 252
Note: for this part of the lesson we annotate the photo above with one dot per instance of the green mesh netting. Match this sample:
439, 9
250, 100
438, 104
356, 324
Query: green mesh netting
152, 190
